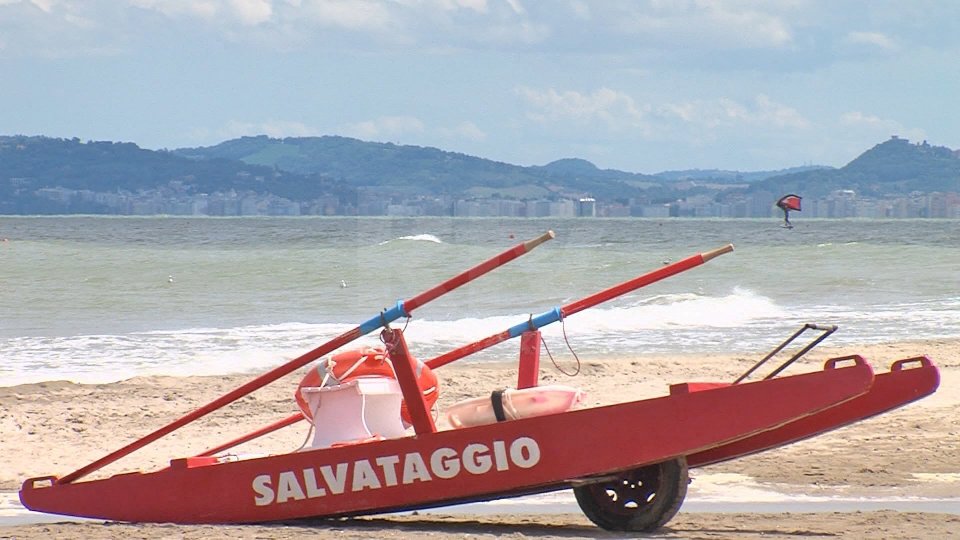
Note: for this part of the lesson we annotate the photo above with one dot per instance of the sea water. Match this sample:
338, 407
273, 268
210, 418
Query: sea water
100, 299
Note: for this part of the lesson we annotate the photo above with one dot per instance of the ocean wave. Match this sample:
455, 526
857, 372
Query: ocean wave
416, 237
210, 350
740, 321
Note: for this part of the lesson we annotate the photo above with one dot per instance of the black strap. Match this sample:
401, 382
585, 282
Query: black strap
496, 399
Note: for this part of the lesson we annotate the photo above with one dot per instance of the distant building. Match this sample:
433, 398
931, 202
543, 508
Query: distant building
587, 207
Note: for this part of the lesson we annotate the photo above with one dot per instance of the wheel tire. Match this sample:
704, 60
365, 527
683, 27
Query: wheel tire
638, 500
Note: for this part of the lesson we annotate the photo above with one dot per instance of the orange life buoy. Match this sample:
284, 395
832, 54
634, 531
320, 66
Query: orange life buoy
365, 362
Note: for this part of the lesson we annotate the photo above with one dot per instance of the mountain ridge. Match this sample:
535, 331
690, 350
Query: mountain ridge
44, 175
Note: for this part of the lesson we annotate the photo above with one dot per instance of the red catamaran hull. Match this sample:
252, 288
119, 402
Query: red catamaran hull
900, 386
480, 463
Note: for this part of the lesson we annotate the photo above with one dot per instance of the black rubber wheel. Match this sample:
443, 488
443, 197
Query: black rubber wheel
639, 500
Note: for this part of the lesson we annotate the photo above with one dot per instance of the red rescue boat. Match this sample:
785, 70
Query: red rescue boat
368, 461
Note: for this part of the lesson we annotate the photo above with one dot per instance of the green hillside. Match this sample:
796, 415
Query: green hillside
30, 164
422, 169
894, 167
49, 175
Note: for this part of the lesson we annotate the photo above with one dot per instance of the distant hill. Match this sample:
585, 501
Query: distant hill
51, 175
361, 163
29, 164
893, 167
420, 169
722, 176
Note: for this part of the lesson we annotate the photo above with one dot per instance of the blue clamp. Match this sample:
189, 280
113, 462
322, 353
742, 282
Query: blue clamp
383, 319
534, 323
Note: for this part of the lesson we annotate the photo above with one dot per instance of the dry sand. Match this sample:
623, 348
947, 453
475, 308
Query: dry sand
54, 428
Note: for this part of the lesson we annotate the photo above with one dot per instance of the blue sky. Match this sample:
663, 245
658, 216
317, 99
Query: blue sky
642, 86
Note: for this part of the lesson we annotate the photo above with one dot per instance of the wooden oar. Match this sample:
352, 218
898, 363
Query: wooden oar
402, 309
559, 313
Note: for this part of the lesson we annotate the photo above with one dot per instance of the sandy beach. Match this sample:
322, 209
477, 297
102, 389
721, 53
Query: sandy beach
56, 427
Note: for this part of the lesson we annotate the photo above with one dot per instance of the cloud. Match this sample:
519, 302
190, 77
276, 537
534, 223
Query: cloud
873, 126
252, 12
478, 25
385, 127
855, 118
463, 130
610, 107
720, 112
246, 12
347, 14
875, 39
44, 5
703, 23
480, 6
616, 111
204, 9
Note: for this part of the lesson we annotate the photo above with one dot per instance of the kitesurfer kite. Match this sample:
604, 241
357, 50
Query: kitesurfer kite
788, 203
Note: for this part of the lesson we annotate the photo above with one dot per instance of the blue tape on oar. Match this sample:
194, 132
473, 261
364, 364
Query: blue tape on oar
543, 319
386, 317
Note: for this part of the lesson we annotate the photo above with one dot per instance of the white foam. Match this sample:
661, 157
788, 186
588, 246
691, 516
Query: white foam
416, 237
740, 321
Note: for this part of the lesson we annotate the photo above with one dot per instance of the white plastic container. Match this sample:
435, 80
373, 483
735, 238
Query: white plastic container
357, 410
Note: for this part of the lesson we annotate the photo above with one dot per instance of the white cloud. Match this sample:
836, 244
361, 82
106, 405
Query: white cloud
516, 7
204, 9
705, 23
464, 130
385, 127
252, 12
45, 5
776, 114
247, 12
854, 118
617, 110
763, 112
479, 6
349, 14
876, 127
872, 38
613, 108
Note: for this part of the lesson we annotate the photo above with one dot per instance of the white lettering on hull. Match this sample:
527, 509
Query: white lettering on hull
444, 463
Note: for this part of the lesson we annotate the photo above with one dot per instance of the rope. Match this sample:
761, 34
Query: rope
306, 439
563, 325
353, 367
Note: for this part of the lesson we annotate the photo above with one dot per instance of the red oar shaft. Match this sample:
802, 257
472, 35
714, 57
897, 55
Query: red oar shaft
468, 349
476, 271
643, 281
279, 424
400, 310
579, 305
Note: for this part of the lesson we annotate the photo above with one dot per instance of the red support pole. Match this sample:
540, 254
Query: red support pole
529, 371
405, 370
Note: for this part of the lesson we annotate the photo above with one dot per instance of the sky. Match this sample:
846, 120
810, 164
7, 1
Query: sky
639, 86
